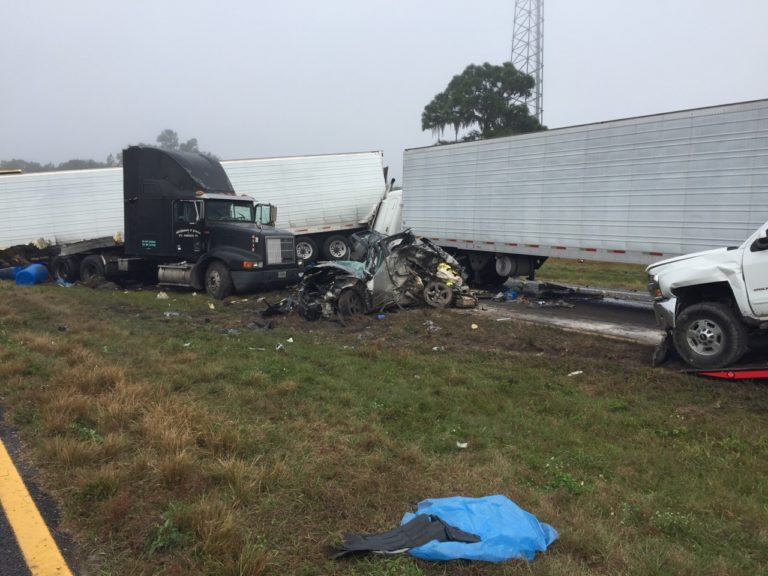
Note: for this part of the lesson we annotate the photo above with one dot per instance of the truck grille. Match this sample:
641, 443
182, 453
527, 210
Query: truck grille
280, 251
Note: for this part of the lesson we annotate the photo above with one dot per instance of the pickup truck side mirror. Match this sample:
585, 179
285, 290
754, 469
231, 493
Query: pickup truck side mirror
760, 243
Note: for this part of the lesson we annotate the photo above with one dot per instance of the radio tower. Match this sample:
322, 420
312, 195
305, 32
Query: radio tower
528, 49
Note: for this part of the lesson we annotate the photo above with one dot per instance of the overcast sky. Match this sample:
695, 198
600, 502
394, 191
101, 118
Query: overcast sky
84, 78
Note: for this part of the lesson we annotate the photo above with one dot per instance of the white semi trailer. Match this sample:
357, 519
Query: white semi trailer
322, 199
636, 190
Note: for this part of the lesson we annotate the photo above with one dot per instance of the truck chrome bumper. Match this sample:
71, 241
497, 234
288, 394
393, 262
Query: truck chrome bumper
665, 312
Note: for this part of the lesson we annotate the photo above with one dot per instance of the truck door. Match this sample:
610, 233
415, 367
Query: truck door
755, 269
187, 229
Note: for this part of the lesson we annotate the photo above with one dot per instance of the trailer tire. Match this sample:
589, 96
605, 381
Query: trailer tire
350, 303
91, 268
336, 247
306, 249
66, 267
488, 275
218, 280
709, 335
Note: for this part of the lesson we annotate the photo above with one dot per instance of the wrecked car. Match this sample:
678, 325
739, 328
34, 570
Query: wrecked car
399, 270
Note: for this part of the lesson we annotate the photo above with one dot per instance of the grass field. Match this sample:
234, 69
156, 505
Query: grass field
599, 274
184, 439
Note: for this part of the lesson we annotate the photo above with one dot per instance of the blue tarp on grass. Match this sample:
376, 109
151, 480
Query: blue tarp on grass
506, 531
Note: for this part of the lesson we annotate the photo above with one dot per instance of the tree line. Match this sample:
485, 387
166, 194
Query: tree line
167, 139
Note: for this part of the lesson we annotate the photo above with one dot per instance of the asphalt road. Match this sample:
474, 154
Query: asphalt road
12, 561
610, 313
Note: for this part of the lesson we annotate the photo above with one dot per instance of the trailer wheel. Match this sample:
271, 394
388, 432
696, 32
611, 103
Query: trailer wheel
218, 280
488, 275
66, 267
336, 247
350, 303
709, 335
91, 267
306, 249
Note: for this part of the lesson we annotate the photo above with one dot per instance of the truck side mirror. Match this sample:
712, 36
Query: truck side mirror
266, 214
760, 243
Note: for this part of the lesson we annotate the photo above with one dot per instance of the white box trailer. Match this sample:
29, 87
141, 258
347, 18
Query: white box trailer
322, 199
60, 207
635, 190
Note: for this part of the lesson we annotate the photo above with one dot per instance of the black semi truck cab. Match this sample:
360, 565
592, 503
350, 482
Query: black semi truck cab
184, 222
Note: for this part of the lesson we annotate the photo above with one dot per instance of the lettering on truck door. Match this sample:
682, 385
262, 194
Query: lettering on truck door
755, 268
187, 234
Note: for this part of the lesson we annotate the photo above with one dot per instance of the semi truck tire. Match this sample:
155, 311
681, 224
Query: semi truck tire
489, 276
336, 247
66, 267
91, 267
218, 280
306, 249
709, 335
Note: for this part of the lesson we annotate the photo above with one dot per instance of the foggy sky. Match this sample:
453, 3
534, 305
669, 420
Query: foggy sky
84, 78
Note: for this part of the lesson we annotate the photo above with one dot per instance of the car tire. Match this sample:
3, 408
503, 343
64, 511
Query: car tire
91, 267
350, 303
437, 294
306, 249
336, 247
218, 280
709, 335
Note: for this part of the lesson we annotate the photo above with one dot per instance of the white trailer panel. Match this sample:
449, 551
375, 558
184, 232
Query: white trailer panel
629, 190
314, 193
61, 207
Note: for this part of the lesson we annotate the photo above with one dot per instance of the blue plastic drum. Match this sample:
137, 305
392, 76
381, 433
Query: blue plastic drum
10, 273
32, 274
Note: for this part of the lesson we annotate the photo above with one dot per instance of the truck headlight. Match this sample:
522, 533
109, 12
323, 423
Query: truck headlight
653, 287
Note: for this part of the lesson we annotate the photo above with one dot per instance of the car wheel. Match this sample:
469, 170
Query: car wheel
350, 303
709, 335
218, 280
91, 267
336, 247
306, 249
438, 294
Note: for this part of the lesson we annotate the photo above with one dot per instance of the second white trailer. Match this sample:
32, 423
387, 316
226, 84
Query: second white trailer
635, 190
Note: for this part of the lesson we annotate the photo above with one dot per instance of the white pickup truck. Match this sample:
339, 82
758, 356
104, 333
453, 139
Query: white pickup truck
712, 303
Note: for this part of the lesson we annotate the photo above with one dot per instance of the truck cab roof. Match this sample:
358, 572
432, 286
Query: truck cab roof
185, 173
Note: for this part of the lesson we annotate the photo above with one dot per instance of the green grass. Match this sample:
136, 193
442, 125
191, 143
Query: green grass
597, 274
191, 444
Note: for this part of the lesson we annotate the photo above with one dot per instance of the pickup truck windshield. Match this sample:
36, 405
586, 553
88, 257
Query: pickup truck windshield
229, 210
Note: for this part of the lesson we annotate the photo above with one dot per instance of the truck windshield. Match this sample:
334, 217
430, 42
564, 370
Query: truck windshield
229, 210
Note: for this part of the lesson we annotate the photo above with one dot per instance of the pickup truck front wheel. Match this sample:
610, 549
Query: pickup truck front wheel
709, 335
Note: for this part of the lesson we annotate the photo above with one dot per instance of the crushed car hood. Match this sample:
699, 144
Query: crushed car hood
397, 270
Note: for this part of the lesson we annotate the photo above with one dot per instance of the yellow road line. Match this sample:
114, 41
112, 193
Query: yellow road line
40, 552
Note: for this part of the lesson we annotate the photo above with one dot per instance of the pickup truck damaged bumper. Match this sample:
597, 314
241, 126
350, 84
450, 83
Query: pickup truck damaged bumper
255, 280
665, 312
